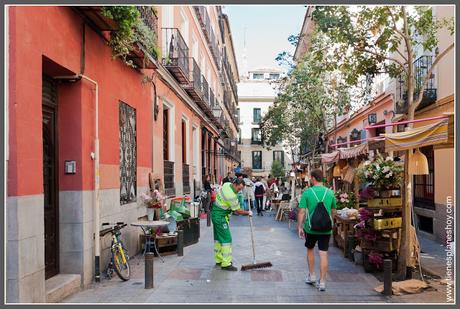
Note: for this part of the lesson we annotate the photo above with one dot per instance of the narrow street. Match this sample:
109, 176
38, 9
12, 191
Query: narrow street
193, 278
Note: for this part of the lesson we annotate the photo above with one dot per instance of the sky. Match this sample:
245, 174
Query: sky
267, 30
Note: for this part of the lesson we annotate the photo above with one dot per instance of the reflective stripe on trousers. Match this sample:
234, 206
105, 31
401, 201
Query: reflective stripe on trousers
223, 253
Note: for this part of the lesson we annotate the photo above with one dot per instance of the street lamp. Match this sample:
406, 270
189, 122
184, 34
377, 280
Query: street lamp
217, 111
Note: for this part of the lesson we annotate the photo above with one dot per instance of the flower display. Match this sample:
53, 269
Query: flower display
382, 173
345, 199
376, 259
152, 199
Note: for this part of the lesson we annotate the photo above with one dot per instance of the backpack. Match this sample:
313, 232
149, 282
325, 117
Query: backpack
320, 220
259, 191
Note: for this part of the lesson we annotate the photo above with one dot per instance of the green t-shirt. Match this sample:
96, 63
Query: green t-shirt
309, 201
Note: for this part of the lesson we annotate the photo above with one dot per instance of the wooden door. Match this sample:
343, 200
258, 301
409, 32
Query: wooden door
50, 176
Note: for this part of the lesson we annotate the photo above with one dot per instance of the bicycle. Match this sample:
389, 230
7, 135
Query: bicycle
120, 258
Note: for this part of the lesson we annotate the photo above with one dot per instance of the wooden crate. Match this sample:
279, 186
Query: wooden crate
385, 202
343, 229
387, 223
166, 244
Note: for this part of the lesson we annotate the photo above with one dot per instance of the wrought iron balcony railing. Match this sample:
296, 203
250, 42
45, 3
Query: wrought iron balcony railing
421, 67
175, 54
205, 89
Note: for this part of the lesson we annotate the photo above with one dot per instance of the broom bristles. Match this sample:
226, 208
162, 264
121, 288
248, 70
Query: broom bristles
256, 266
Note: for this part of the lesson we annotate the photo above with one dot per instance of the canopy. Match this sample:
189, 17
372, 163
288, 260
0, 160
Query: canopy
432, 134
330, 157
353, 152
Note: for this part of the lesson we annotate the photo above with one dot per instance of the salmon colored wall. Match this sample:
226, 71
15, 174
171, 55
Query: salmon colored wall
443, 174
56, 33
359, 121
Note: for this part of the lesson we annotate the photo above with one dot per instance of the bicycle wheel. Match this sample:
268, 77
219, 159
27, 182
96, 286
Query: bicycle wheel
121, 268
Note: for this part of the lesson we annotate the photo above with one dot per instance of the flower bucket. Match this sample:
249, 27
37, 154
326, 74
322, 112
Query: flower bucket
150, 213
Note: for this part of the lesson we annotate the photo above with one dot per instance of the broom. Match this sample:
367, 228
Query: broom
254, 265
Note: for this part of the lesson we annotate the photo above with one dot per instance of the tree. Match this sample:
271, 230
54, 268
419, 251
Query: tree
278, 170
303, 109
370, 40
380, 39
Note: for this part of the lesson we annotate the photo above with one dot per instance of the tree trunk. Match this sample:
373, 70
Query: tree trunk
406, 243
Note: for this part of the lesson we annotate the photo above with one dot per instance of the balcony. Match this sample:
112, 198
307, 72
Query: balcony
139, 55
421, 67
193, 87
211, 99
93, 16
205, 89
211, 38
175, 55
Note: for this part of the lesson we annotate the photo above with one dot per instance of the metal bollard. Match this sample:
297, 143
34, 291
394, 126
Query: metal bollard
387, 279
149, 270
208, 218
180, 242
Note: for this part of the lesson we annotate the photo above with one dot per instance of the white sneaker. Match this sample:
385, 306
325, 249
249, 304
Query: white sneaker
310, 279
321, 285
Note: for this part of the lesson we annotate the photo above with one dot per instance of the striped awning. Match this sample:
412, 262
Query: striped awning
353, 152
432, 134
330, 157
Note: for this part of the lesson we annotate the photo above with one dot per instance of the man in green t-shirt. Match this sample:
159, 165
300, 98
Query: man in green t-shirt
310, 198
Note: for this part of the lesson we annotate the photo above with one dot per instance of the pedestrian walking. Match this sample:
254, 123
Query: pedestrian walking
259, 191
320, 204
226, 202
228, 178
208, 189
248, 193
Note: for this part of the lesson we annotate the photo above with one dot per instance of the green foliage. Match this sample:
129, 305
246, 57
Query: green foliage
278, 169
131, 30
369, 40
307, 101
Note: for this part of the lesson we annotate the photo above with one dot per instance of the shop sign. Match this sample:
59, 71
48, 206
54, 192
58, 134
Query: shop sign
372, 118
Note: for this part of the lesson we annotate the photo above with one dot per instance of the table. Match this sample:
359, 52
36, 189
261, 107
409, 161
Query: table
145, 226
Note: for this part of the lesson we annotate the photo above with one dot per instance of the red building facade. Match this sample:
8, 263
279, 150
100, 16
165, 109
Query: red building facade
60, 69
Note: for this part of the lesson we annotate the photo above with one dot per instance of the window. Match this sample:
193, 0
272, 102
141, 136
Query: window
278, 155
256, 115
256, 136
184, 142
257, 160
258, 76
128, 159
238, 115
239, 136
274, 76
165, 134
424, 184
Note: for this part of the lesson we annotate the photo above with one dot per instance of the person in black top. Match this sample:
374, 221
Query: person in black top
207, 183
228, 178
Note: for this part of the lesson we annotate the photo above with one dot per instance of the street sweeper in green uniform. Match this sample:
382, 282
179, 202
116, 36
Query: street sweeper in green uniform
226, 202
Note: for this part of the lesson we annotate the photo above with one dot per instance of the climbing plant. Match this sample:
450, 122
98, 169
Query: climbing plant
131, 30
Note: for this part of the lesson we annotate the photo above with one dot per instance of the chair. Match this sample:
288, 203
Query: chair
283, 206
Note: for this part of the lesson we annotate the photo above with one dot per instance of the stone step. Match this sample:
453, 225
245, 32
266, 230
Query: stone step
60, 286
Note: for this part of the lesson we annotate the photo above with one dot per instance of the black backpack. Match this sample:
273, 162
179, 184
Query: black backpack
320, 220
259, 190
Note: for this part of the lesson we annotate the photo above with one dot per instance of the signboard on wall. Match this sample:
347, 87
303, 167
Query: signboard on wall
372, 118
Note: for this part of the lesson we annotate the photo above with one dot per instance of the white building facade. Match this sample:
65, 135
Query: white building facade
256, 94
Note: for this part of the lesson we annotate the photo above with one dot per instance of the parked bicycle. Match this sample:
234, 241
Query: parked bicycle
120, 258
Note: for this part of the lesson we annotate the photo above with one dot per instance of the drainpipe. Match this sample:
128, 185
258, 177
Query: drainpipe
95, 156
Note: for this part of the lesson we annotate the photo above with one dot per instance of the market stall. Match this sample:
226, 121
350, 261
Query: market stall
381, 182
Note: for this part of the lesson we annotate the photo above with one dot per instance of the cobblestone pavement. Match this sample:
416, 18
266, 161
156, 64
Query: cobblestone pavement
193, 278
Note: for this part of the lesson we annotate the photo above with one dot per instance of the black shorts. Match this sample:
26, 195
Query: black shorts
323, 241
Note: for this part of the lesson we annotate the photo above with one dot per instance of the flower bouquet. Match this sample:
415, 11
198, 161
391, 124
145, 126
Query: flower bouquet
152, 200
345, 200
382, 173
